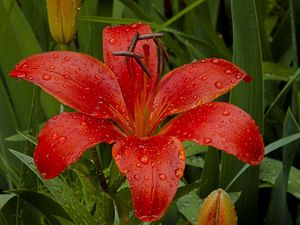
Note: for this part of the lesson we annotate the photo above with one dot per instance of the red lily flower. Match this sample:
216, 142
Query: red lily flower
122, 101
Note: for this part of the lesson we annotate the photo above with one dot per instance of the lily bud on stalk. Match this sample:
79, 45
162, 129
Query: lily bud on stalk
217, 209
62, 17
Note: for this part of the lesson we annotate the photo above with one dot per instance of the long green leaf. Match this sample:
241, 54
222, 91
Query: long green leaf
246, 42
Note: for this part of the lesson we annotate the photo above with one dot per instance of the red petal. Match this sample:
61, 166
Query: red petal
77, 80
220, 125
192, 85
65, 138
118, 38
154, 167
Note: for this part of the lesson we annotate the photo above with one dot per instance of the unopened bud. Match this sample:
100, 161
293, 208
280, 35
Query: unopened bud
217, 209
62, 17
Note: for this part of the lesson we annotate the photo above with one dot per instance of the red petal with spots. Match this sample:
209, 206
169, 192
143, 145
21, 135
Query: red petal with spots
132, 82
220, 125
77, 80
154, 167
192, 85
65, 138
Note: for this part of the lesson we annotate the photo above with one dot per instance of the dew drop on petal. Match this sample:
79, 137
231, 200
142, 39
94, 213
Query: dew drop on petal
162, 176
219, 85
62, 139
112, 41
137, 177
67, 58
238, 76
46, 77
144, 159
146, 177
228, 71
179, 172
204, 78
226, 113
54, 136
207, 141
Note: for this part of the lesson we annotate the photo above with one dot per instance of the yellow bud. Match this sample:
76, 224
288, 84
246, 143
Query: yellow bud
62, 17
217, 209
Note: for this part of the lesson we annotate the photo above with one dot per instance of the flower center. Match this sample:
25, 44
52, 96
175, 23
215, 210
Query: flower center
144, 81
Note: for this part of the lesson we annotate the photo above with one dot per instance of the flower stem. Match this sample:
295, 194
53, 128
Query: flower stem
101, 178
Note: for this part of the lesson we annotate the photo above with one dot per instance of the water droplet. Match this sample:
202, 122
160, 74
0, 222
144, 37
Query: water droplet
191, 71
29, 77
83, 123
219, 85
138, 165
134, 26
204, 78
112, 41
146, 177
111, 67
144, 159
238, 76
137, 177
25, 65
100, 70
67, 58
118, 157
215, 61
226, 113
179, 173
228, 71
54, 136
46, 77
207, 140
62, 139
52, 67
162, 176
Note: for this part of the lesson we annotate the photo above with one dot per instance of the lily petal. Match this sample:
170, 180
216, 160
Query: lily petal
220, 125
66, 137
118, 38
77, 80
154, 167
192, 85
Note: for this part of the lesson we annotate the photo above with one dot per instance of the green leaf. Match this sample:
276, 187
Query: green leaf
189, 206
4, 198
250, 97
61, 192
278, 209
46, 205
282, 92
270, 169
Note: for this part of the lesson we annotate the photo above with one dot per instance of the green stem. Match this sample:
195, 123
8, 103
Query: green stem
101, 179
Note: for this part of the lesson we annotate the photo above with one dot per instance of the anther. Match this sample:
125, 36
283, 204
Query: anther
136, 57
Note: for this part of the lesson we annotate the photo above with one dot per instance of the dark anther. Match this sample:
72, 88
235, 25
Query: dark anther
134, 42
137, 59
162, 56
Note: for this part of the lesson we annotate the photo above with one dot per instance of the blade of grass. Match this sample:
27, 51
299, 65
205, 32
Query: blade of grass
246, 41
282, 92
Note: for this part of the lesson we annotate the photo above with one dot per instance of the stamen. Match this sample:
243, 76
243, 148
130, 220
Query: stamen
134, 41
150, 36
137, 59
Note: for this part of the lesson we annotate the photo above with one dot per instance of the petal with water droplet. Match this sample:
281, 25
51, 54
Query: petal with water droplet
221, 125
118, 38
75, 80
153, 183
192, 85
59, 146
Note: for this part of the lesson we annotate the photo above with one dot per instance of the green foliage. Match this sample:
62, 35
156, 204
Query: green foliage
261, 36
